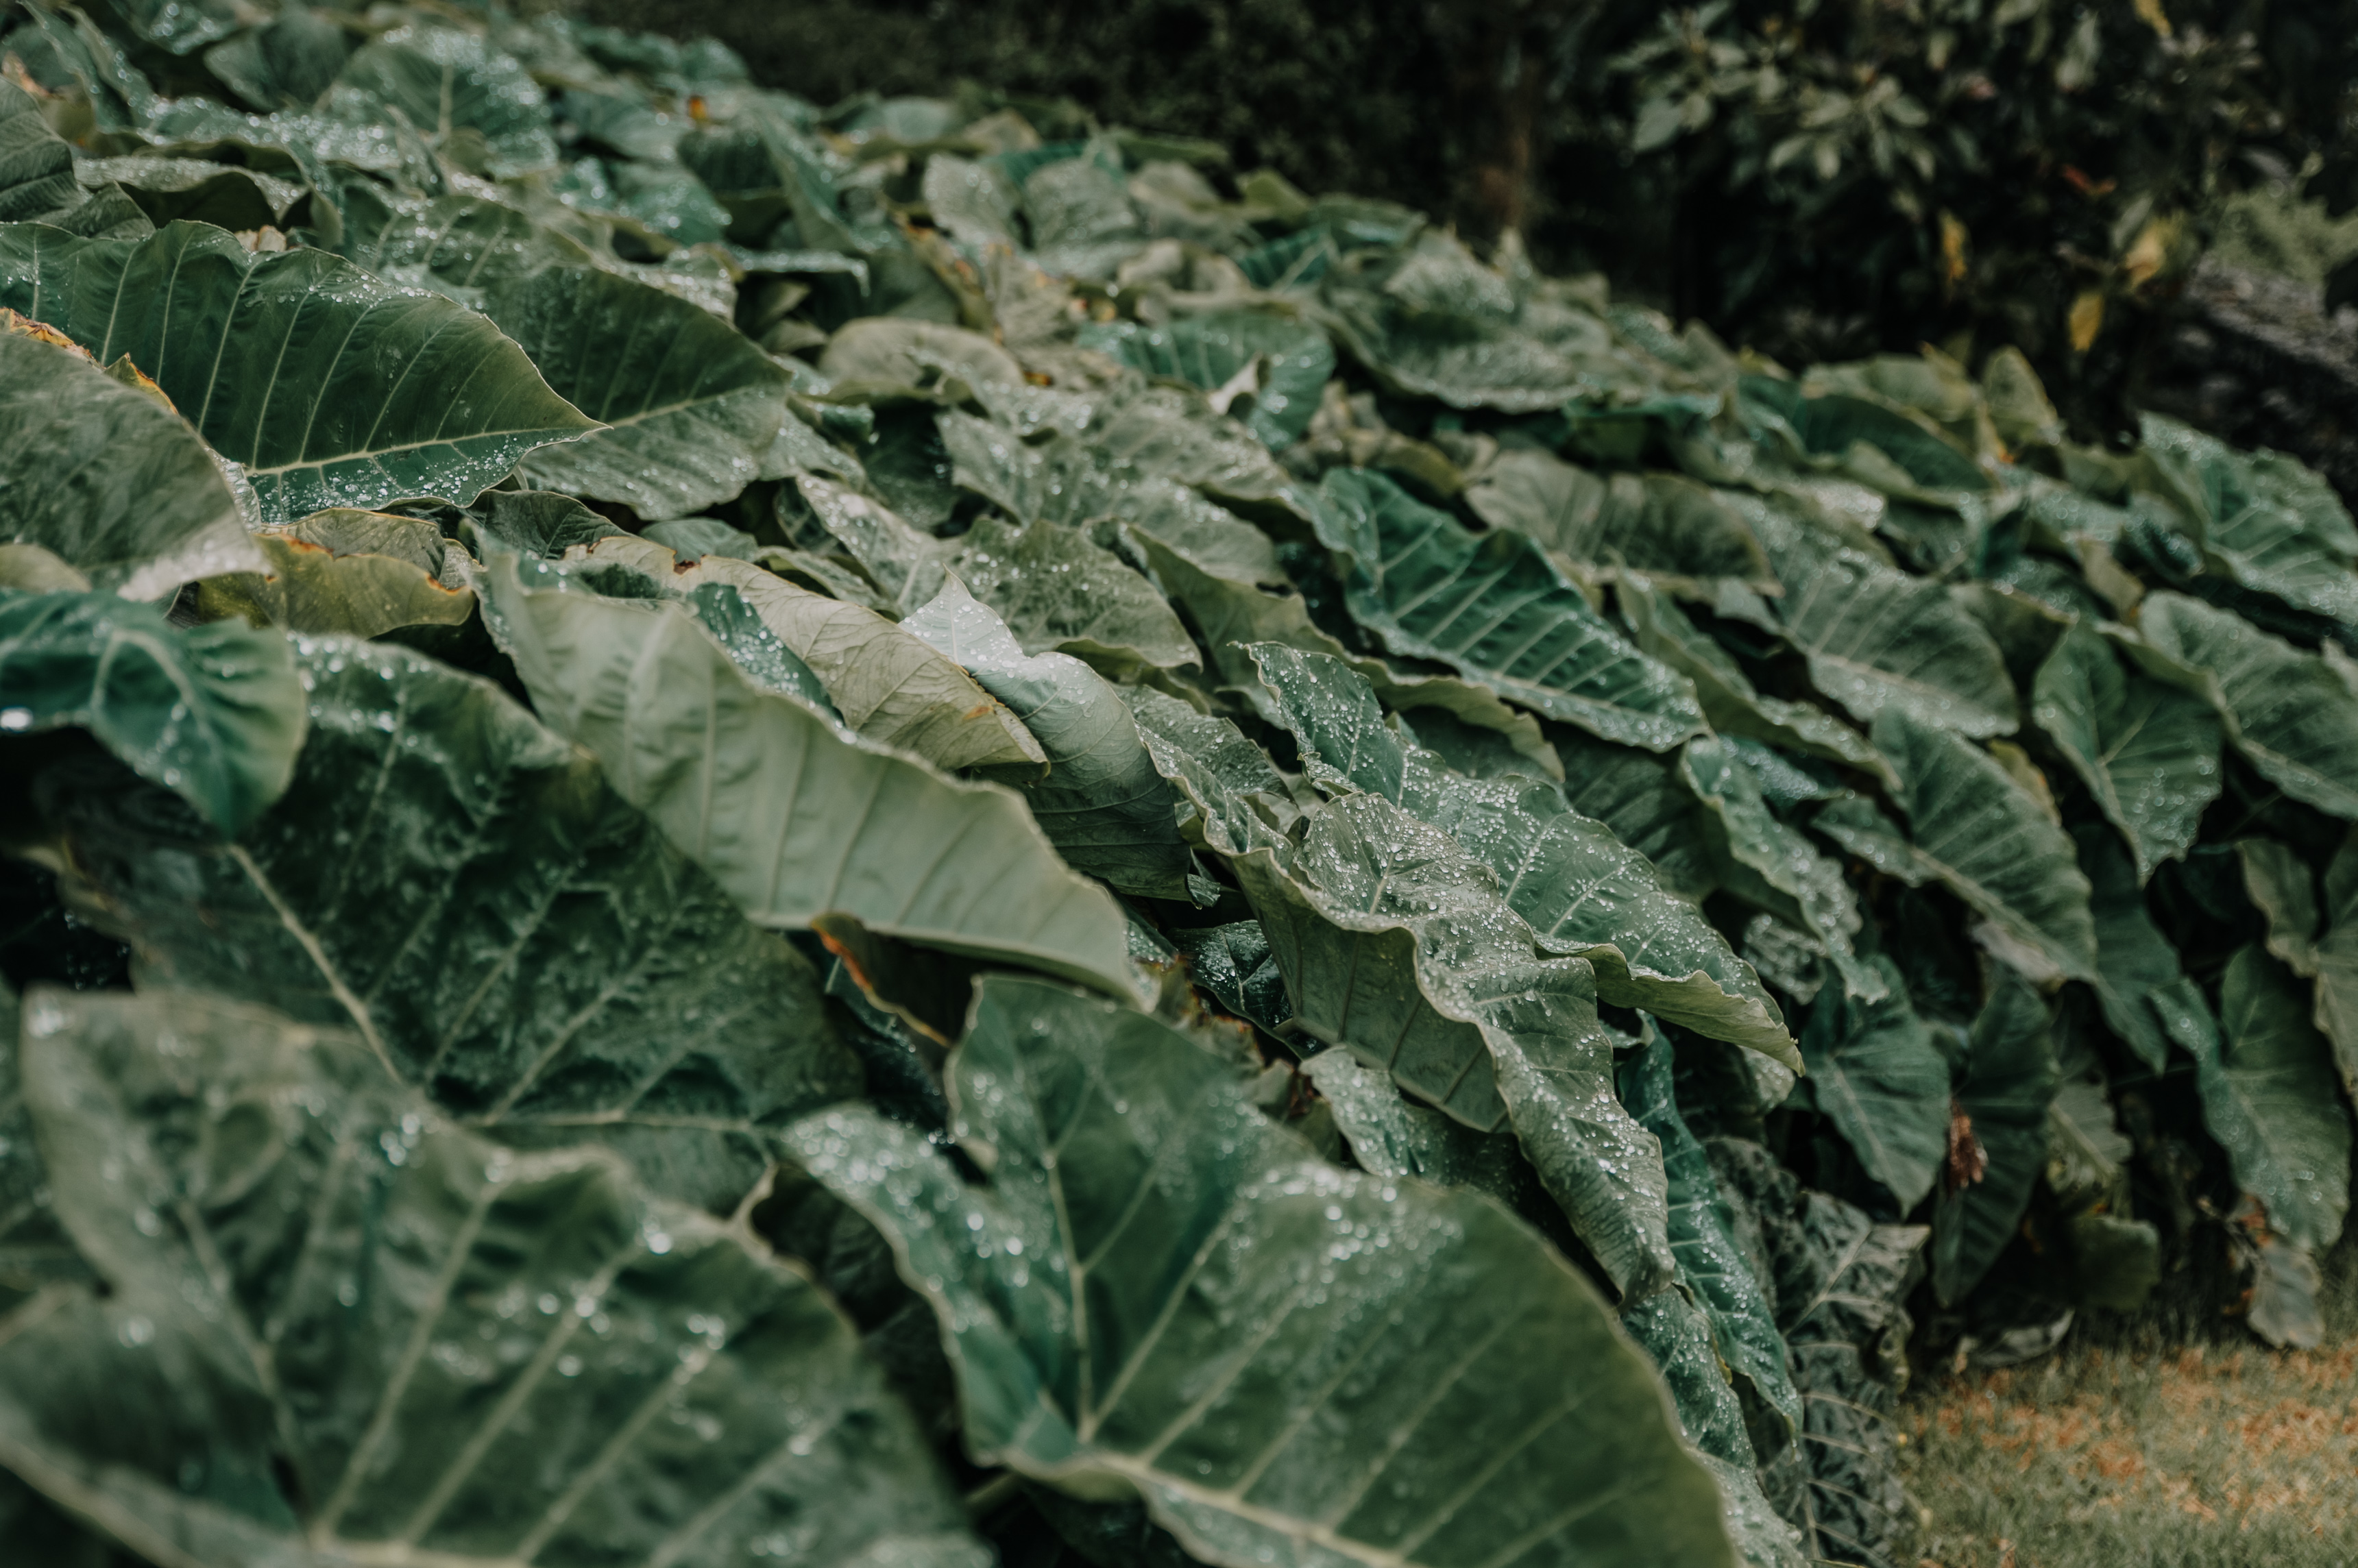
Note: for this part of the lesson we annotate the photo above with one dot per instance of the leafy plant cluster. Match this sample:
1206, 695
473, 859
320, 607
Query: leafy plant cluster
2015, 173
854, 838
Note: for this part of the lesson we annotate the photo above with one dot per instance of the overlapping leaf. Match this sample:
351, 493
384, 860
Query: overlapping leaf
2147, 750
1134, 1297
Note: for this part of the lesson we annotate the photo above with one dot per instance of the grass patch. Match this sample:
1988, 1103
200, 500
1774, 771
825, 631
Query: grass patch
2124, 1451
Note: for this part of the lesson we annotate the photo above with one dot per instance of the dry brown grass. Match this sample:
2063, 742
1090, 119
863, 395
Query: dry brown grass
2134, 1454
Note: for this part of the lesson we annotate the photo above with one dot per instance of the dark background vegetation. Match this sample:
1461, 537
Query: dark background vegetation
1816, 178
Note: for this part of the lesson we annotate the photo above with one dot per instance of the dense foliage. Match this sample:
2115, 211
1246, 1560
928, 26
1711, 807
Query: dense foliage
1817, 177
861, 839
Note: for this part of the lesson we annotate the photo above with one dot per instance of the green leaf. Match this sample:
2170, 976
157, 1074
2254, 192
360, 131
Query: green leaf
447, 82
1396, 944
1057, 591
1647, 803
2266, 1080
456, 244
892, 688
1978, 833
2148, 751
1279, 364
2337, 961
1883, 1084
1711, 1266
312, 588
339, 1327
2293, 714
170, 188
215, 713
1663, 524
1156, 1289
1492, 607
1205, 534
108, 479
1581, 889
2283, 888
2134, 962
416, 397
1103, 804
36, 178
1879, 640
690, 405
1760, 859
1730, 701
794, 818
1238, 802
495, 922
2262, 520
2008, 1082
285, 63
874, 354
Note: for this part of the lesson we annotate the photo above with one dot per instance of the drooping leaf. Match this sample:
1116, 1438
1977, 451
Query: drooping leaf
1761, 858
2008, 1082
1743, 1323
795, 819
1978, 833
892, 687
2267, 1084
690, 405
1580, 889
1492, 607
500, 927
1133, 1299
288, 1237
213, 713
2337, 961
2134, 961
328, 386
2291, 713
1102, 804
1396, 944
1876, 1072
107, 479
2147, 750
170, 188
1879, 640
310, 587
2261, 519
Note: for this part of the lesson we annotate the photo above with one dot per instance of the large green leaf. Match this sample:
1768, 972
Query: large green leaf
1663, 524
446, 82
2262, 520
1875, 1073
2147, 750
1057, 590
496, 924
108, 479
690, 405
213, 713
330, 387
795, 820
1879, 640
891, 687
1155, 1289
1711, 1266
2267, 1083
1760, 858
1102, 804
1395, 943
456, 244
1581, 889
2293, 714
36, 178
2008, 1084
1492, 607
1980, 834
338, 1328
